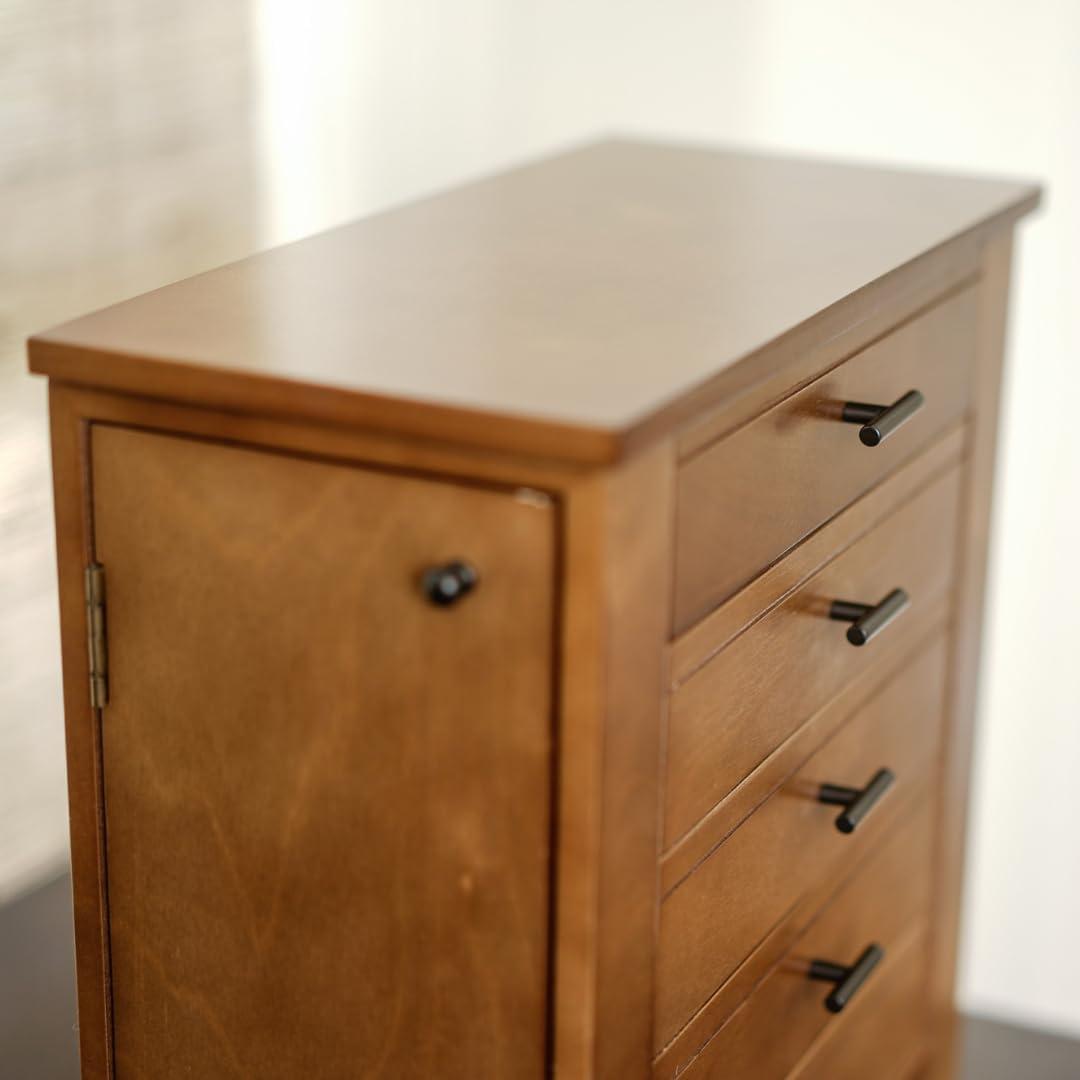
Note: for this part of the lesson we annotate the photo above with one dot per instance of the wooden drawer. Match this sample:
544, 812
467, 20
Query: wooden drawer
763, 685
886, 902
760, 885
750, 497
883, 1034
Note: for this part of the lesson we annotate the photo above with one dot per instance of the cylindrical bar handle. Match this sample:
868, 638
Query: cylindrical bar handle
847, 979
878, 422
447, 584
868, 620
857, 803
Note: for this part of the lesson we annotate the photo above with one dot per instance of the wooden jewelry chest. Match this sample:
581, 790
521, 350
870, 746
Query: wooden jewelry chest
533, 632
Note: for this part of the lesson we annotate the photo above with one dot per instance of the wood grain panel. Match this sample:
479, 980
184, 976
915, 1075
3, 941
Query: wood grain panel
691, 851
639, 527
749, 498
886, 902
763, 686
883, 1033
973, 543
765, 873
82, 729
612, 678
328, 852
694, 648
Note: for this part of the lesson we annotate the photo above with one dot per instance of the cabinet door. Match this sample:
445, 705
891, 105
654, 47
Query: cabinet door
327, 800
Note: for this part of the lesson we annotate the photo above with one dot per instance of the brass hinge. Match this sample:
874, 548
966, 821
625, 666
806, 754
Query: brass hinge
95, 635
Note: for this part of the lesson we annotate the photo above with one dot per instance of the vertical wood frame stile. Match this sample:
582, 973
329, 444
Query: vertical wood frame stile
70, 432
968, 633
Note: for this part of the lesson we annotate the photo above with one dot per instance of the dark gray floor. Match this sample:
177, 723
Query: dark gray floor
995, 1051
37, 1007
37, 978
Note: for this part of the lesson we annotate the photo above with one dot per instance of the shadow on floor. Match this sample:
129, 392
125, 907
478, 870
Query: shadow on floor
37, 986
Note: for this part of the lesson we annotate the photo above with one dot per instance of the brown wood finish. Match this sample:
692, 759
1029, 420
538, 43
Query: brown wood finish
681, 860
639, 519
582, 642
480, 371
344, 832
742, 803
732, 713
694, 648
748, 498
74, 550
885, 902
765, 876
974, 546
831, 337
618, 529
594, 568
883, 1033
464, 318
345, 444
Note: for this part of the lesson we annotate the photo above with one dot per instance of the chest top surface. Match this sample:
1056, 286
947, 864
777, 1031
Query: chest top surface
583, 295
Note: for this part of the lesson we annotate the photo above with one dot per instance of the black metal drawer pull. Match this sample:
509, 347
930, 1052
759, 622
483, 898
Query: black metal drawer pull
857, 803
447, 584
847, 979
868, 620
878, 422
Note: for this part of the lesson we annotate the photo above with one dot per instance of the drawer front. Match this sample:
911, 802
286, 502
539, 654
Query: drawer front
883, 1035
758, 690
328, 851
886, 903
763, 880
753, 495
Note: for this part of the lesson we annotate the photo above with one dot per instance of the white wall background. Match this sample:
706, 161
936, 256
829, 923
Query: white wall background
366, 104
125, 162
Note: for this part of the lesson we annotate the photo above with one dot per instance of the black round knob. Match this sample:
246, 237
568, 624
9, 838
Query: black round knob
447, 584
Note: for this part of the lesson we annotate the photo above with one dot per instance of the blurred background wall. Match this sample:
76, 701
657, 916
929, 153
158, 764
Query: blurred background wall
141, 141
126, 161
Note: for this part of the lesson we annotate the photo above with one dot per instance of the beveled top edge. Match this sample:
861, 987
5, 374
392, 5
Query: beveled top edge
571, 309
